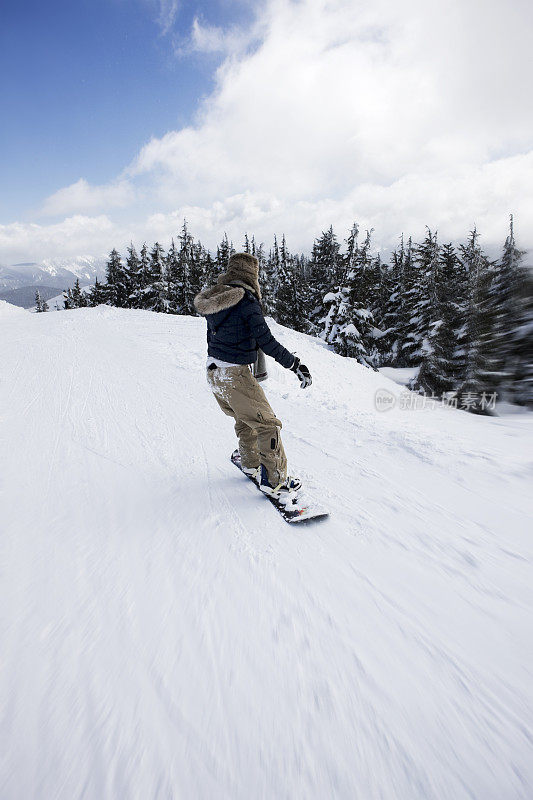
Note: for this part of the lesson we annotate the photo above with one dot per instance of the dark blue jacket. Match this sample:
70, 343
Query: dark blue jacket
235, 333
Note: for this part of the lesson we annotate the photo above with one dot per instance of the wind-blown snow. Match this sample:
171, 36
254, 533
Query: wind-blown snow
165, 634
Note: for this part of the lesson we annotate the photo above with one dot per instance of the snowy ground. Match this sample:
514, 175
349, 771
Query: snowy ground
164, 634
401, 375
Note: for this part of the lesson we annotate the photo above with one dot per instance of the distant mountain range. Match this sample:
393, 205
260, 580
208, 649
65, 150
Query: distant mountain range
18, 282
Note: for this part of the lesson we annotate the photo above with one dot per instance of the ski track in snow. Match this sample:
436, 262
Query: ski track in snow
165, 634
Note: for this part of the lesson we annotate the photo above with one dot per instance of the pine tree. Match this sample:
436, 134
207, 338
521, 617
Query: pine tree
406, 303
388, 320
521, 386
132, 274
116, 283
68, 302
362, 273
142, 293
185, 259
508, 299
326, 268
156, 292
174, 280
97, 295
268, 278
442, 366
79, 299
290, 309
479, 331
348, 322
38, 302
224, 251
209, 271
45, 306
195, 276
421, 299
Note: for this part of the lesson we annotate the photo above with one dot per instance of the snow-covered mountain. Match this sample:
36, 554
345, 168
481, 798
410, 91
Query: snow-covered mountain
24, 296
60, 273
166, 634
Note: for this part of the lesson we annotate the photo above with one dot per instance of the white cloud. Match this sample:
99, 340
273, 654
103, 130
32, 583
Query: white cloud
168, 10
394, 114
72, 236
229, 41
82, 197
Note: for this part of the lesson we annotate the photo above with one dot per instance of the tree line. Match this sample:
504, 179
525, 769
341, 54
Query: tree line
466, 321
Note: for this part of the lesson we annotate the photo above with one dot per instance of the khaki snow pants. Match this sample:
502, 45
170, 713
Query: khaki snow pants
239, 396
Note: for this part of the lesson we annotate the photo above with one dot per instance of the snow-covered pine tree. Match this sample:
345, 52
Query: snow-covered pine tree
508, 299
388, 319
97, 295
45, 306
132, 275
156, 291
480, 362
406, 303
268, 276
79, 299
348, 322
345, 327
116, 283
421, 299
363, 274
67, 299
301, 270
443, 364
185, 258
38, 302
290, 310
76, 294
365, 297
325, 273
209, 277
196, 272
224, 251
142, 291
172, 279
521, 387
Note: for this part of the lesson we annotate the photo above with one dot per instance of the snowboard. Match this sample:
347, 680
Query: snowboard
298, 509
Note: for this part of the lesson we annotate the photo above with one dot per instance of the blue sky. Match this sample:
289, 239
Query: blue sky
86, 83
122, 117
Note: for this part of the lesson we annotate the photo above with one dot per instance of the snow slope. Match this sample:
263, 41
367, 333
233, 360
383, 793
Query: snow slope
166, 635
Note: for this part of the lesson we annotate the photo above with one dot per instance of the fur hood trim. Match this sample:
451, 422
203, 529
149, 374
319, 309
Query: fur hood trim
217, 298
243, 268
252, 289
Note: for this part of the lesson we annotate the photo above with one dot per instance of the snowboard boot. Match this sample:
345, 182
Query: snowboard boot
283, 491
252, 472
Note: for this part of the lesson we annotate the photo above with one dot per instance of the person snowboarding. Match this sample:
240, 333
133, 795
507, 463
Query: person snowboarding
236, 331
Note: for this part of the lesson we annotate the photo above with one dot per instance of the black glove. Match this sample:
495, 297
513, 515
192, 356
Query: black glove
302, 372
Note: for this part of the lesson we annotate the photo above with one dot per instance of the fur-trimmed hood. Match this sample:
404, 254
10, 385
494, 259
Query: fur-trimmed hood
241, 275
243, 269
218, 298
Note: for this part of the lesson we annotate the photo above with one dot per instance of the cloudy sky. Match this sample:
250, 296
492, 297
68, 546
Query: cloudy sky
121, 117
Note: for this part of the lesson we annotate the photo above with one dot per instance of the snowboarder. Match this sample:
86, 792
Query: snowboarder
236, 330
